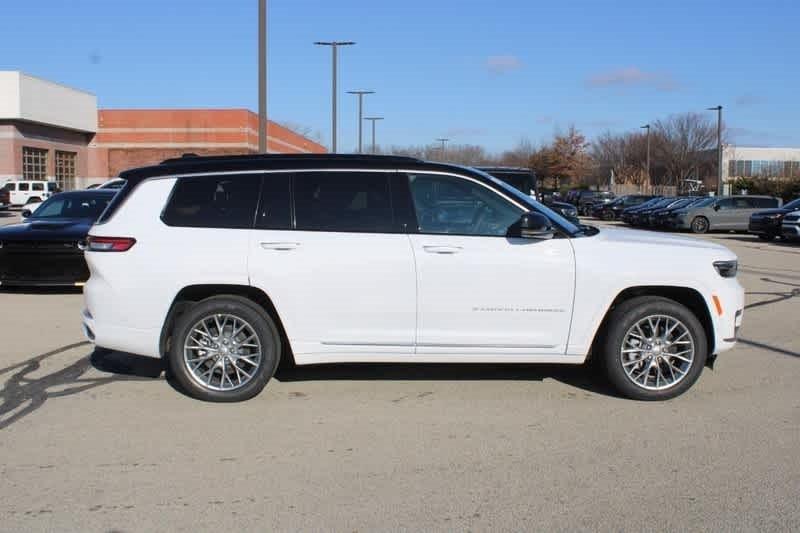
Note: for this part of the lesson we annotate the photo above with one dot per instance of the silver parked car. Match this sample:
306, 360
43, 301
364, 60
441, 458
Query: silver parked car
723, 213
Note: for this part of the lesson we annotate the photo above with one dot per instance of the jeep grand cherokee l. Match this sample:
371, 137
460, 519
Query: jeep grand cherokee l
226, 265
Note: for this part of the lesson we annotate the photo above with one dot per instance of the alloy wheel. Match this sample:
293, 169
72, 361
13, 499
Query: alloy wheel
222, 352
657, 352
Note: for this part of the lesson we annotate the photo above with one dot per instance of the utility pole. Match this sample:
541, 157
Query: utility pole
360, 115
373, 120
262, 76
647, 127
718, 109
443, 141
334, 47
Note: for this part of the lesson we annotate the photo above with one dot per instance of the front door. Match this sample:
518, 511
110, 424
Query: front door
337, 267
481, 292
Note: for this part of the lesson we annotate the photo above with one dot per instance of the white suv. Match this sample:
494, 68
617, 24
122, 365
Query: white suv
226, 265
23, 192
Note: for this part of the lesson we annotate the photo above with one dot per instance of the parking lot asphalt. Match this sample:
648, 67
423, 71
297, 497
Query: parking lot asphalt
99, 441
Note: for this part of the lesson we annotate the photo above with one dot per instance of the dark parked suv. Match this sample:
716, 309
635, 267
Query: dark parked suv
584, 200
613, 209
767, 224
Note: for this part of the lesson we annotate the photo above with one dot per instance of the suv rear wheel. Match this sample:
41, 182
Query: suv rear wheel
224, 349
654, 349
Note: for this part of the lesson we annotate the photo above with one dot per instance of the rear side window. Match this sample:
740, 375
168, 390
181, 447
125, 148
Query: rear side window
24, 186
37, 186
214, 202
343, 201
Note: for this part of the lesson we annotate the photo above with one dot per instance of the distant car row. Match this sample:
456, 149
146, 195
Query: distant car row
764, 216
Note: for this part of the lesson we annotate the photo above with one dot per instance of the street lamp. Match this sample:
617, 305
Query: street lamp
360, 108
373, 120
334, 47
262, 76
647, 127
718, 109
443, 141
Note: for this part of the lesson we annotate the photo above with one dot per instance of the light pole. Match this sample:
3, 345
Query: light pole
334, 47
373, 120
718, 109
647, 127
262, 76
443, 141
360, 115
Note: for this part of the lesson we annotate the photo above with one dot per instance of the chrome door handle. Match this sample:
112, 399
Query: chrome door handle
282, 246
442, 249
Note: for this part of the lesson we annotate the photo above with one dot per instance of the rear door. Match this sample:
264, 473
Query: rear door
336, 264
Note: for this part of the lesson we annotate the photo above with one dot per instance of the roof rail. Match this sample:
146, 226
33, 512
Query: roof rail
194, 158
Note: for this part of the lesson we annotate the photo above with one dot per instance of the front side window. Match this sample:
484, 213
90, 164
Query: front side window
227, 201
453, 205
343, 201
34, 163
725, 203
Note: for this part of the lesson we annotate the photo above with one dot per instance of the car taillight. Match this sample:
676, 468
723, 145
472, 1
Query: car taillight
109, 244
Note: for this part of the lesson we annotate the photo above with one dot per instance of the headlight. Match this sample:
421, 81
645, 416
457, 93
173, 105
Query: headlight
727, 269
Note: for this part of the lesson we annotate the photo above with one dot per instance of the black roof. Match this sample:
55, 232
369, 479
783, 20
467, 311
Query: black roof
191, 163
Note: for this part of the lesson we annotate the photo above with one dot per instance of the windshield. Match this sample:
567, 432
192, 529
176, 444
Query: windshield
86, 205
702, 202
565, 224
794, 204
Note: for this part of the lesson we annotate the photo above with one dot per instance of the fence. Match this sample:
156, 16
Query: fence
620, 189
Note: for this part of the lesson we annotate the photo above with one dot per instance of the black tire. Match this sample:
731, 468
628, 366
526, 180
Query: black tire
608, 215
766, 236
699, 225
263, 327
623, 318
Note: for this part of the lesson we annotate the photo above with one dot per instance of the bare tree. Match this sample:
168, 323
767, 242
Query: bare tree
680, 142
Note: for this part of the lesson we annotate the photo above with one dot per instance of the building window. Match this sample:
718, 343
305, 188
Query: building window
65, 170
34, 163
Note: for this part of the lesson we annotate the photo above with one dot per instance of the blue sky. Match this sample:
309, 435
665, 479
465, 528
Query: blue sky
483, 72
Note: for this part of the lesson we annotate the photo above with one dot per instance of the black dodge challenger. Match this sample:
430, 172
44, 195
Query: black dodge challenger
43, 248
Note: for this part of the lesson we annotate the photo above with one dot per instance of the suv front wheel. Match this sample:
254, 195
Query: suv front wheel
224, 349
654, 348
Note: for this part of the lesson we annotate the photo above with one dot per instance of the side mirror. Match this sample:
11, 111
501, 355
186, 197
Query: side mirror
532, 225
716, 207
25, 213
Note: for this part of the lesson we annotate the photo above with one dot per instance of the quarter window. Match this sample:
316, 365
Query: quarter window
214, 201
34, 163
343, 201
452, 205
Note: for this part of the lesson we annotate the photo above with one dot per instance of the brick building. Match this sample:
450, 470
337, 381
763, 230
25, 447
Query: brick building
52, 132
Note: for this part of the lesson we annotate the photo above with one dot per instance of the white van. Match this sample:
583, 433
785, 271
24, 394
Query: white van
22, 192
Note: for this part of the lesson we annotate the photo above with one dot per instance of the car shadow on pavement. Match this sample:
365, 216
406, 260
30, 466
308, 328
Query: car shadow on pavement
40, 290
586, 377
22, 393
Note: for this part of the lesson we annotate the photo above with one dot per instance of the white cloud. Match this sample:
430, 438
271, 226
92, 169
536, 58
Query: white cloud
503, 64
632, 76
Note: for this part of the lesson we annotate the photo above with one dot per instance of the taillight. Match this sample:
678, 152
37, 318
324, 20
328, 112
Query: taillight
109, 244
